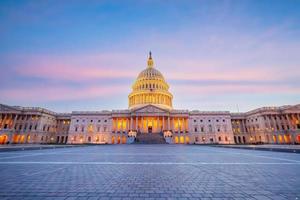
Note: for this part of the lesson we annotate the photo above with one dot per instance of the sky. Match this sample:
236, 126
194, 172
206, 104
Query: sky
231, 55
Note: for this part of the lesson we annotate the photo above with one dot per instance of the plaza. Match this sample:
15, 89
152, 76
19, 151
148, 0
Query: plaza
149, 172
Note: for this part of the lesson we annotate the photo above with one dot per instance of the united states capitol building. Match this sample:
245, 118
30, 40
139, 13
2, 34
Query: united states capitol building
150, 118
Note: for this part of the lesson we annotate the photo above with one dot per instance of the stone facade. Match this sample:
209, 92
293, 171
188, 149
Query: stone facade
32, 125
267, 125
150, 112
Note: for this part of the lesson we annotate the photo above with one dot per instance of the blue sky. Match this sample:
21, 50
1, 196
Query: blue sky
85, 55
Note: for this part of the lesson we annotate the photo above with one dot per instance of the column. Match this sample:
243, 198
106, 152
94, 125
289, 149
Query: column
4, 121
288, 122
163, 122
158, 124
142, 123
153, 119
186, 120
147, 123
1, 120
114, 124
118, 122
131, 123
14, 122
178, 126
168, 122
136, 122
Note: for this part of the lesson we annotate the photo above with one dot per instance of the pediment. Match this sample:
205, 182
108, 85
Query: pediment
150, 109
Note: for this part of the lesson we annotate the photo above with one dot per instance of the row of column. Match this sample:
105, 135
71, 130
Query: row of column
161, 123
9, 120
286, 122
146, 98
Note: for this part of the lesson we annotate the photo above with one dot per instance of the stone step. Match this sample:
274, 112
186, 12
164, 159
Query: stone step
150, 138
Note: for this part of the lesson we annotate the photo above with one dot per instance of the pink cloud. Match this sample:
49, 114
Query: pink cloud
54, 93
92, 67
235, 89
75, 68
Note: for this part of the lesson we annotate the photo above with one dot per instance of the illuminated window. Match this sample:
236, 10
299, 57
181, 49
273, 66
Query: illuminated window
274, 138
176, 140
181, 139
90, 128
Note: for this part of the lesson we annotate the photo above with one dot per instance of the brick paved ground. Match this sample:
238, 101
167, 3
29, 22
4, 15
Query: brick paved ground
149, 172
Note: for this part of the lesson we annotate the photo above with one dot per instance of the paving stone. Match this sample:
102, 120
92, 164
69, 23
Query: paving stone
171, 172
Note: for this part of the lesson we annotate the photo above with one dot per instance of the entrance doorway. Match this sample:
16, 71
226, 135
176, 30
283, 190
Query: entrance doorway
149, 129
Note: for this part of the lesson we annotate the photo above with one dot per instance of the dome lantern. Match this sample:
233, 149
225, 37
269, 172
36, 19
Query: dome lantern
150, 60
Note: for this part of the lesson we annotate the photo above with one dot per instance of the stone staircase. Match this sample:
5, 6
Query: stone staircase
150, 138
